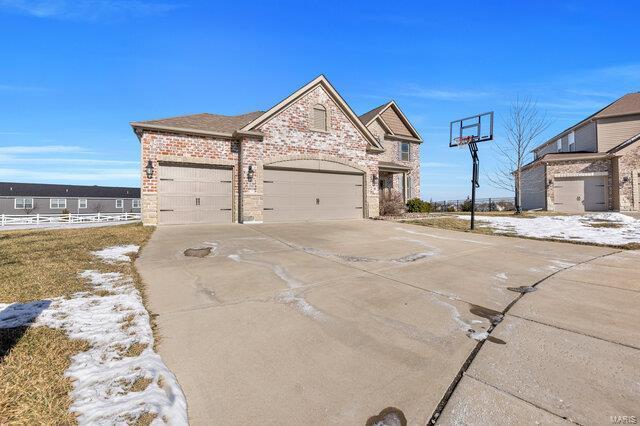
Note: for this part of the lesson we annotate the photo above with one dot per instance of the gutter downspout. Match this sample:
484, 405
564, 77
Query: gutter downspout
240, 173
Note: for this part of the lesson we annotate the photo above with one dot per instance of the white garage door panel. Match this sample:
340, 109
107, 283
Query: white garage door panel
298, 195
194, 195
579, 194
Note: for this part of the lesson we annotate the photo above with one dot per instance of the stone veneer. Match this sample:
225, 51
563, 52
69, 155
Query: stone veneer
392, 154
629, 167
575, 168
287, 136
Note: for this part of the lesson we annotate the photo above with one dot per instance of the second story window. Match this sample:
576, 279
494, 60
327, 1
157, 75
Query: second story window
405, 151
572, 141
319, 119
119, 204
559, 145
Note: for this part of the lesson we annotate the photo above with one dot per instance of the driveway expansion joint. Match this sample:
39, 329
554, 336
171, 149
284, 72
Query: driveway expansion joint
465, 366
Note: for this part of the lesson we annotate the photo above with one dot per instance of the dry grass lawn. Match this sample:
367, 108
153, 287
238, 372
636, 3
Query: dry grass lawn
38, 265
453, 224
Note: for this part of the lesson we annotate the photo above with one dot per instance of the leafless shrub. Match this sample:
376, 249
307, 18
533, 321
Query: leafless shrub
391, 203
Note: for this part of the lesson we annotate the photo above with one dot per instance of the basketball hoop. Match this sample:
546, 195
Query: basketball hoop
463, 141
468, 132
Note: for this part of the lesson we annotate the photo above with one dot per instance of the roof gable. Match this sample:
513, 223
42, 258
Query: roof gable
322, 81
393, 119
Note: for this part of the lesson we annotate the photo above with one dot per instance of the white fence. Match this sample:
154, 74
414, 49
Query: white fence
44, 219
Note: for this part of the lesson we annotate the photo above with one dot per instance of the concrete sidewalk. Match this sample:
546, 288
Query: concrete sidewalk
571, 351
332, 322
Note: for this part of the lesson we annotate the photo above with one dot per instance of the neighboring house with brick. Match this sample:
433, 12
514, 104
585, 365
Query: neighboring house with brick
591, 166
40, 198
310, 157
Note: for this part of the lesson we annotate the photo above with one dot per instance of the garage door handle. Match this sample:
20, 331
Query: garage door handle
226, 209
317, 201
166, 210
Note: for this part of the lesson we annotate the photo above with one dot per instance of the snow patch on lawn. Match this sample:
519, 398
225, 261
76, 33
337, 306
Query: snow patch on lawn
576, 227
111, 322
116, 253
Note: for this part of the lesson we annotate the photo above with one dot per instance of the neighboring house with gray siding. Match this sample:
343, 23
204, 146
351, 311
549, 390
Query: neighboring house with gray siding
37, 198
591, 166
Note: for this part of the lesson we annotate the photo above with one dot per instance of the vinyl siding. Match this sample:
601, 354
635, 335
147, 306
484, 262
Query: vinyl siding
614, 131
41, 206
533, 188
585, 137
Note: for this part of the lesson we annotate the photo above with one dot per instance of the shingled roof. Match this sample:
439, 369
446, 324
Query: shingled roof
629, 104
226, 124
8, 189
367, 116
626, 105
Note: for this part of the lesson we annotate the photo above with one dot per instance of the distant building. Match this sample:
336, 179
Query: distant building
38, 198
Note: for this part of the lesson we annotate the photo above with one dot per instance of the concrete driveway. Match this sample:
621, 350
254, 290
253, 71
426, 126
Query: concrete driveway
332, 322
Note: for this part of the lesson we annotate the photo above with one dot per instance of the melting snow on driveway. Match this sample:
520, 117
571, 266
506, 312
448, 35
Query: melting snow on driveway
610, 228
111, 322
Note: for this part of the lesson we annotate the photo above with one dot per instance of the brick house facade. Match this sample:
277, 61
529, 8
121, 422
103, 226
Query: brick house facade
246, 146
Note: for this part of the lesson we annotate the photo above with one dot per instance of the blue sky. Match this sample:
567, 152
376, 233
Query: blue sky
74, 73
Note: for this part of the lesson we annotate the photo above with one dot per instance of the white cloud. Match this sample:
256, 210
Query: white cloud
445, 94
18, 88
437, 165
68, 176
40, 149
86, 10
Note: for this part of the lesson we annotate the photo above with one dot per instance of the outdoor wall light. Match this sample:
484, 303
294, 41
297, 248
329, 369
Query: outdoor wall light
375, 179
149, 169
250, 173
625, 179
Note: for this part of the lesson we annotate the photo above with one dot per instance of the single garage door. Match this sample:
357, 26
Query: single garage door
296, 195
194, 194
579, 194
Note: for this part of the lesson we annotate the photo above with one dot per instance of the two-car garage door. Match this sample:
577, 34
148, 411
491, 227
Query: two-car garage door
579, 194
192, 194
297, 195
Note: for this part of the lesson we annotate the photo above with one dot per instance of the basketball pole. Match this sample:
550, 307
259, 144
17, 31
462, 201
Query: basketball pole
473, 149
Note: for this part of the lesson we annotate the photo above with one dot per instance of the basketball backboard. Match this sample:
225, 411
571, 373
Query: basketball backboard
476, 128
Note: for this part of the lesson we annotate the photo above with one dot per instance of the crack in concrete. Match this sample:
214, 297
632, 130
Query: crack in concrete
465, 366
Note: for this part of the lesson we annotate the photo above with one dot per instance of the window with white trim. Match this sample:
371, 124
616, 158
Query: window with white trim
405, 151
319, 118
559, 145
119, 204
57, 203
82, 203
23, 203
135, 203
572, 141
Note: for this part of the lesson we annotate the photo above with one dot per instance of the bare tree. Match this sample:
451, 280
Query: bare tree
522, 127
